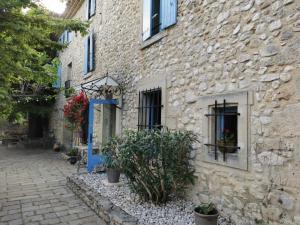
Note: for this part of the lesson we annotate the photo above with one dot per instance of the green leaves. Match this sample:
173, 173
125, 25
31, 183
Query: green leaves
28, 44
156, 162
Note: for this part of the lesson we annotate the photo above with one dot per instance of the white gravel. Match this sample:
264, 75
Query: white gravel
175, 212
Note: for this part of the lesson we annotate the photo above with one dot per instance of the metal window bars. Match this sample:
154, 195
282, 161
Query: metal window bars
149, 109
215, 115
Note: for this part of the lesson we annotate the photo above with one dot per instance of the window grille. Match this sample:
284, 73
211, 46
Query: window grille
224, 123
149, 110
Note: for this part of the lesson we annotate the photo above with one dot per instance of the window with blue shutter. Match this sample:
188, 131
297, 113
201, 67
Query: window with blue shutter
89, 54
158, 15
90, 8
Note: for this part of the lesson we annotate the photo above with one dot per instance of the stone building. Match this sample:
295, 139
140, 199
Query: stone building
229, 70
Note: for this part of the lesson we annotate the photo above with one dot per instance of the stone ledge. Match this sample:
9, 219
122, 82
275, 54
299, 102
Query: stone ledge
103, 207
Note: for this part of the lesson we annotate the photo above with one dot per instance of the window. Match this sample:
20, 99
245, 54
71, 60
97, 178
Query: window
89, 59
158, 15
225, 128
66, 37
90, 8
149, 110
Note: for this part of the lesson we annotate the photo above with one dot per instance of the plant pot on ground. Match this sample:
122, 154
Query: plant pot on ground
73, 156
206, 214
110, 152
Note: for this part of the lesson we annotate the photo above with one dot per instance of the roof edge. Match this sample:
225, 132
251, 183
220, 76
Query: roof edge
71, 9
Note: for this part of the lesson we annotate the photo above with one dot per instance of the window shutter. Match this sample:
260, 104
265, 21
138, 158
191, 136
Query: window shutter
146, 19
70, 36
57, 83
86, 56
92, 55
87, 5
168, 13
93, 7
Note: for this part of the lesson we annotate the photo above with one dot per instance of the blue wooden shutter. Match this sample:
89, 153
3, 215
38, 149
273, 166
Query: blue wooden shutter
87, 5
70, 36
86, 56
93, 7
57, 83
92, 49
168, 13
146, 19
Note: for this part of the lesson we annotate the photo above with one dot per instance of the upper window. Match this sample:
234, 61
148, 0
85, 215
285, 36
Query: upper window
90, 8
66, 37
158, 15
149, 110
89, 54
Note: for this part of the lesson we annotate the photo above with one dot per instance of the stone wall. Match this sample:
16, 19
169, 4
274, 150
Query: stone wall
216, 47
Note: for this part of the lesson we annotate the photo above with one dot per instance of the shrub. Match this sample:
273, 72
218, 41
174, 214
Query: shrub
157, 162
72, 152
110, 151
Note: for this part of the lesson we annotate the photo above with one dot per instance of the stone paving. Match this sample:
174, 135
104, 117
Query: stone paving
33, 190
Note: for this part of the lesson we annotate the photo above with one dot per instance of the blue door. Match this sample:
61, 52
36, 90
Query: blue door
95, 159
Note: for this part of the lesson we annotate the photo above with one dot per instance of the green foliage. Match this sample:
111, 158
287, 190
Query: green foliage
157, 162
28, 47
206, 209
72, 152
69, 92
111, 152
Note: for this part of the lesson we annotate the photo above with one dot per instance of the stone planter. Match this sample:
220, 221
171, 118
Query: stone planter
113, 175
201, 219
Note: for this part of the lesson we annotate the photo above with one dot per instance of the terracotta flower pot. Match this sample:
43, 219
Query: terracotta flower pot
201, 219
113, 175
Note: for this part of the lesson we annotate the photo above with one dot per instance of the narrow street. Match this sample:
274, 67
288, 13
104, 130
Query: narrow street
33, 190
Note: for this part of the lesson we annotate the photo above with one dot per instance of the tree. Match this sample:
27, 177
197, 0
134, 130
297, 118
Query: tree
28, 47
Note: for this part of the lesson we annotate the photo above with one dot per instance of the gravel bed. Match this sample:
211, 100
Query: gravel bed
175, 212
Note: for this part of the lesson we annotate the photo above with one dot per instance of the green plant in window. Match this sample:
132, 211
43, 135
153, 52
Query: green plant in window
227, 142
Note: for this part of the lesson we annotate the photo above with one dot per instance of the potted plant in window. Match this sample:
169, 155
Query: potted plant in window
110, 152
227, 142
206, 214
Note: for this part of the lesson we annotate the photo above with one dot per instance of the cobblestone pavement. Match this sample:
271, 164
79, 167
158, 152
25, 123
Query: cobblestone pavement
33, 190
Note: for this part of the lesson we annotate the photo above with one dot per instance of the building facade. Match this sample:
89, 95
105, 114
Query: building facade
227, 70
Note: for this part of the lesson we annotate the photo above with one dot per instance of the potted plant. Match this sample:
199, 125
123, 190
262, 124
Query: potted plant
206, 214
111, 160
73, 156
227, 142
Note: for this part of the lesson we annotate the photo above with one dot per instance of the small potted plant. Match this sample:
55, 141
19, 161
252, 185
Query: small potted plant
227, 142
73, 156
206, 214
111, 160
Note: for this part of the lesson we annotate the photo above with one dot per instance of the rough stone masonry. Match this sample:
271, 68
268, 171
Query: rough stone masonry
215, 48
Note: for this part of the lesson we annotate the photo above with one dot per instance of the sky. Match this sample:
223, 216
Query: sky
54, 5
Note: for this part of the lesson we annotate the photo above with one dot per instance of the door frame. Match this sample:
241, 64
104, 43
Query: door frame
94, 160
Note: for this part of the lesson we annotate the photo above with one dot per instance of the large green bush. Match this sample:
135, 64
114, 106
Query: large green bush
157, 162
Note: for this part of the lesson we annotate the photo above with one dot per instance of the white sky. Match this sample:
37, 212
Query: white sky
57, 6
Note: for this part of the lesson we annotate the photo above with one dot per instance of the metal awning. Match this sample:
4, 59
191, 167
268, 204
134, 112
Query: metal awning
101, 87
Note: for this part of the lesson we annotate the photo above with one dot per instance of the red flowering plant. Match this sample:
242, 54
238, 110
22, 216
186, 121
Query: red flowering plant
74, 110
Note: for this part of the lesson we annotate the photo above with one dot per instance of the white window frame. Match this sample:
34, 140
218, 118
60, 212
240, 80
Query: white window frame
243, 101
